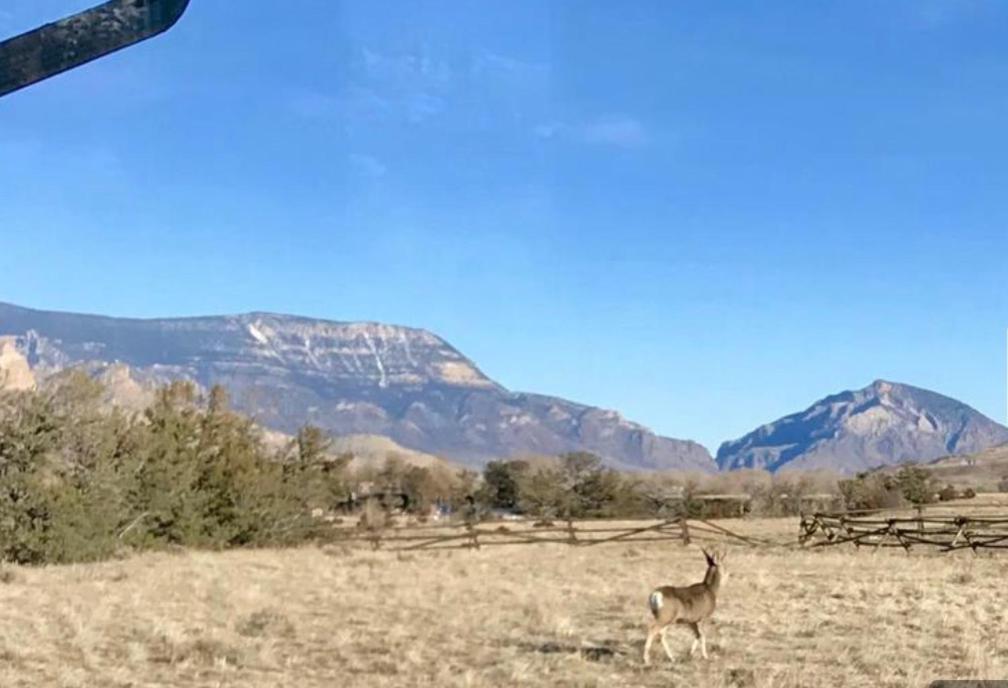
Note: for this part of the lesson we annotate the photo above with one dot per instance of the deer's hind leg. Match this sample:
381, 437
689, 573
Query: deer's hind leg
652, 632
664, 642
697, 635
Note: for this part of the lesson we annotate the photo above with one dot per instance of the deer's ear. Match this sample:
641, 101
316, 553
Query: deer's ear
708, 557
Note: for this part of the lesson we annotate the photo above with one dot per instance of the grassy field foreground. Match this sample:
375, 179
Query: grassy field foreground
532, 616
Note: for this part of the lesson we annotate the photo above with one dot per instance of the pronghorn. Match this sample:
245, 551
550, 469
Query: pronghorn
690, 605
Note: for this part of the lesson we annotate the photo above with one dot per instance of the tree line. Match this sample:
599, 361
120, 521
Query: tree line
579, 485
81, 480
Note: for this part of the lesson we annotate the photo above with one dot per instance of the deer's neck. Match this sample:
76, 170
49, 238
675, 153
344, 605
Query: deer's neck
713, 578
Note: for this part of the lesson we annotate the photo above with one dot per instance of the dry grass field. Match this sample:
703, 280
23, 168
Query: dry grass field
546, 615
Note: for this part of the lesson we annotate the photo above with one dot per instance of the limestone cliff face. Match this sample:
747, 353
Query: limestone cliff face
15, 373
883, 424
350, 378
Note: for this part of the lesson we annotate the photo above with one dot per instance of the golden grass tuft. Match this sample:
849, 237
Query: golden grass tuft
532, 616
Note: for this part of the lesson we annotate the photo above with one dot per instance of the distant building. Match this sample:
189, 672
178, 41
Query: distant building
819, 502
724, 505
388, 499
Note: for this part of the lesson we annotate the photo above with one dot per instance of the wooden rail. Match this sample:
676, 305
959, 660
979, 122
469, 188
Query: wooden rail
945, 532
572, 533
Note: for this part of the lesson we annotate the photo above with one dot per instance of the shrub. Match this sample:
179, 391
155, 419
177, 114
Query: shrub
916, 484
870, 491
502, 484
947, 493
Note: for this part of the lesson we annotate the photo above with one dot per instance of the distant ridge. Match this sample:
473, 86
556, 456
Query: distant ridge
351, 378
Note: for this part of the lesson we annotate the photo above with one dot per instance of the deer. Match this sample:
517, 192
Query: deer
690, 606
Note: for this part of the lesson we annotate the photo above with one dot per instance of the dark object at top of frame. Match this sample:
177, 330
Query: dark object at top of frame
57, 47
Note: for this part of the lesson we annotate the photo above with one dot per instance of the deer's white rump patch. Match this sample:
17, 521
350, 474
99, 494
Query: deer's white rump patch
655, 601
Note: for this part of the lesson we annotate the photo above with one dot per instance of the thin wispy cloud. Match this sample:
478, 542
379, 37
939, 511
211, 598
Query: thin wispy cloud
620, 131
382, 88
367, 165
423, 87
491, 65
418, 69
350, 105
414, 86
422, 106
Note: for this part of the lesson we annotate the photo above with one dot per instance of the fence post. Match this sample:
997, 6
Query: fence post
473, 536
850, 532
806, 528
684, 529
571, 533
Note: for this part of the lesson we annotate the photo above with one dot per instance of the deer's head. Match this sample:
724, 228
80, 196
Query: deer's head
715, 564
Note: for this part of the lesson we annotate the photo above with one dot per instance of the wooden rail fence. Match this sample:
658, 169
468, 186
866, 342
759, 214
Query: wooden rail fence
947, 532
577, 534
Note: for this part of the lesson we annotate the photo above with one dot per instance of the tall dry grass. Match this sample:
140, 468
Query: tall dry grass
530, 616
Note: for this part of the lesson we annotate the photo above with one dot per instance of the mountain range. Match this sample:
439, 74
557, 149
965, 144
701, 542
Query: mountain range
349, 378
412, 387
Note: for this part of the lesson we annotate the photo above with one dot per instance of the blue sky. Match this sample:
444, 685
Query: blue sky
704, 215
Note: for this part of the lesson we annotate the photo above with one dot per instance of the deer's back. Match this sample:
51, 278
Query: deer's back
689, 604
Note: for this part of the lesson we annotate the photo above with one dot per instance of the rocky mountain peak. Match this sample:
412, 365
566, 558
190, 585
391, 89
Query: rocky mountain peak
882, 424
